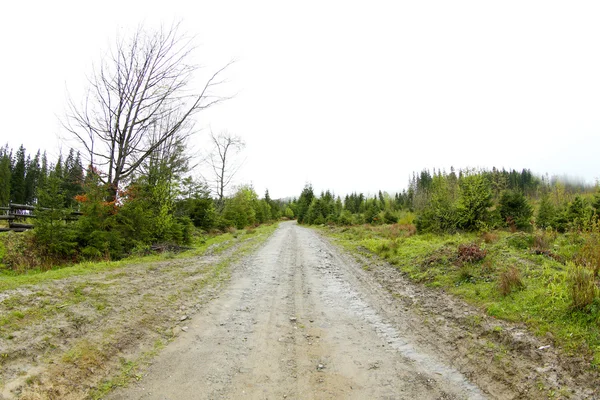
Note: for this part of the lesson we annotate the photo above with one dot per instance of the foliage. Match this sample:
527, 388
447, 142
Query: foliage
53, 230
288, 213
4, 177
304, 202
441, 213
515, 210
470, 253
240, 209
97, 236
546, 213
474, 201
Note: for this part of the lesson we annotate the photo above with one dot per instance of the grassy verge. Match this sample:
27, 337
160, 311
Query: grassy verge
201, 244
518, 277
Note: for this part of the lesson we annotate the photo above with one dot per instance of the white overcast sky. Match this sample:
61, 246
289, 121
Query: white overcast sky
350, 96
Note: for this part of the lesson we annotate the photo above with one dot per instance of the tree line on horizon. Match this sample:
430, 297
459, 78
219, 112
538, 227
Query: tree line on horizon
464, 200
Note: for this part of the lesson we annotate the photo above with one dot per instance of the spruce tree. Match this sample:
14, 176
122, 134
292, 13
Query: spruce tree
17, 181
32, 177
5, 178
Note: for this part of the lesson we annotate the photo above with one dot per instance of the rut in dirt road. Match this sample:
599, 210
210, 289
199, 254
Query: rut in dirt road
296, 322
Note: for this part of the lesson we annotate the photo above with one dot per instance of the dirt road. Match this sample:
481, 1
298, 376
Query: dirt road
302, 321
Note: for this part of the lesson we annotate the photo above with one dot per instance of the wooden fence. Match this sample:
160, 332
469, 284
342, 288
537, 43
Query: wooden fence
18, 214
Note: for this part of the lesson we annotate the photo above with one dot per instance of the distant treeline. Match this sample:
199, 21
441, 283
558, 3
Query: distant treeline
22, 175
465, 200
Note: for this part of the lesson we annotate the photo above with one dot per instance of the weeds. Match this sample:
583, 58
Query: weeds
510, 280
489, 237
583, 286
589, 255
470, 253
543, 240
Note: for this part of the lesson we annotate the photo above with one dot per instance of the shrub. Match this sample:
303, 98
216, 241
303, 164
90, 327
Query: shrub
583, 286
515, 210
345, 218
470, 253
546, 213
288, 213
389, 218
509, 281
371, 215
474, 201
520, 241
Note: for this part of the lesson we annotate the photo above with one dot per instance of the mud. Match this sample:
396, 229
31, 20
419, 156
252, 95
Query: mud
303, 320
298, 319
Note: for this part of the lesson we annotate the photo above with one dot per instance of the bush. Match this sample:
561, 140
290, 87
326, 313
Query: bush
546, 213
474, 201
520, 241
509, 281
470, 253
389, 218
345, 218
515, 210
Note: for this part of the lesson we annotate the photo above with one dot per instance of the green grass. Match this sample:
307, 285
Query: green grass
543, 303
13, 280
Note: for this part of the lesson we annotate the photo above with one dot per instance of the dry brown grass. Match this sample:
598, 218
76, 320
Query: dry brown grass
509, 281
489, 237
589, 255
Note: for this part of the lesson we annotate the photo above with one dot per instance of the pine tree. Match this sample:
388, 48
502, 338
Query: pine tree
17, 184
73, 178
546, 213
5, 177
32, 178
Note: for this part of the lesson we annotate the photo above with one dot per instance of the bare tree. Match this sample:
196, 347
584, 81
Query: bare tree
138, 100
223, 163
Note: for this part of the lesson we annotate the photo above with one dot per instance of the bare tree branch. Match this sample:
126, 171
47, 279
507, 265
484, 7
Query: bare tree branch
139, 103
223, 163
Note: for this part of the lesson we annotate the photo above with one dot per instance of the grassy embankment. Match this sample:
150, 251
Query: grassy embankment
96, 324
521, 277
217, 243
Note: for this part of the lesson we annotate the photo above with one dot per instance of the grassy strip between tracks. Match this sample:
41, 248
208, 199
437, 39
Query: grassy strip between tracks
521, 277
201, 244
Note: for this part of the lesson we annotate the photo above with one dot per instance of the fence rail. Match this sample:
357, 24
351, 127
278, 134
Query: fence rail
16, 214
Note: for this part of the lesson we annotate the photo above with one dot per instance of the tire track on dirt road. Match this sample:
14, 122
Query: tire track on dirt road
295, 323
